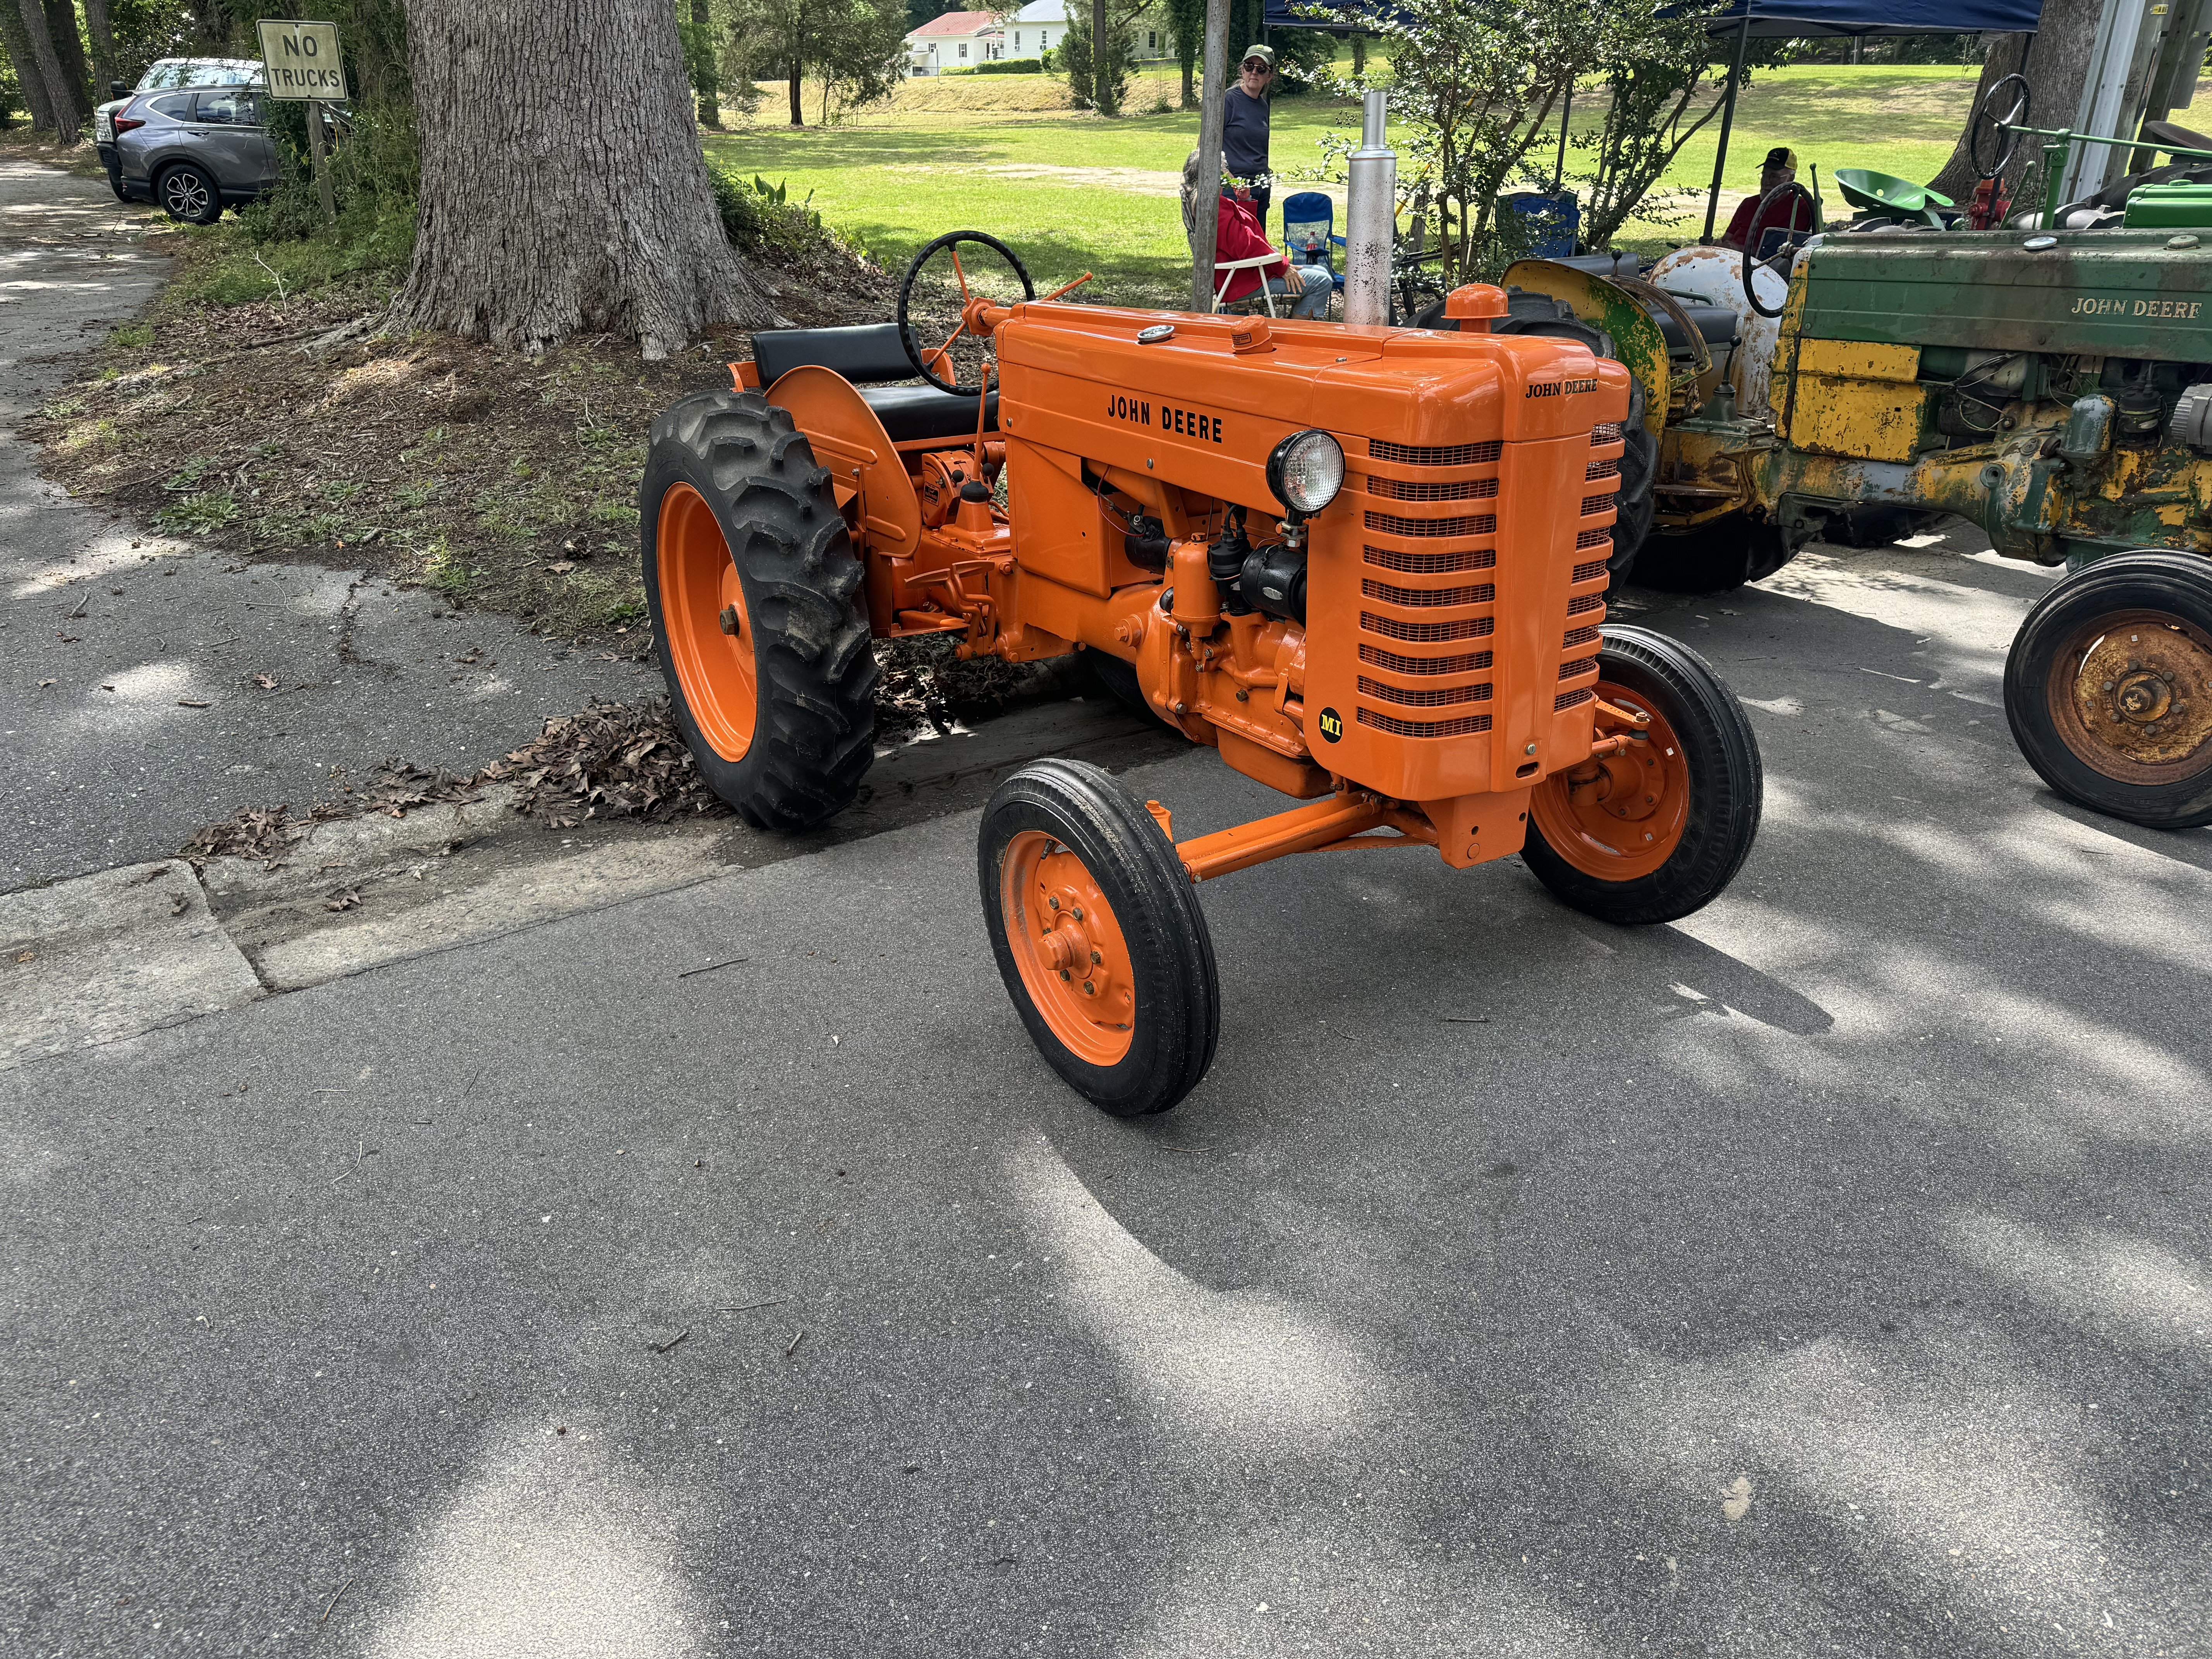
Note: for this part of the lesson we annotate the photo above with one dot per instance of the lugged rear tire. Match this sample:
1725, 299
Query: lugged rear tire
1099, 937
1658, 860
784, 732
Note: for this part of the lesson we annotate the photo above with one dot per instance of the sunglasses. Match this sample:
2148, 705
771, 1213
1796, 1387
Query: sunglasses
1255, 65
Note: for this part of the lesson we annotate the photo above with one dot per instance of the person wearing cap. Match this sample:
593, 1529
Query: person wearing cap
1244, 132
1237, 235
1794, 211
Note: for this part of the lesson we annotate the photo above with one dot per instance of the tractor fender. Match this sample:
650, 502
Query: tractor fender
1714, 277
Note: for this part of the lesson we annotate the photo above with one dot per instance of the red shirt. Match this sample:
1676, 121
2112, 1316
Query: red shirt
1237, 235
1796, 209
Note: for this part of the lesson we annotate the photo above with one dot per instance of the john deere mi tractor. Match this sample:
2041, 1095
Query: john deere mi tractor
1366, 567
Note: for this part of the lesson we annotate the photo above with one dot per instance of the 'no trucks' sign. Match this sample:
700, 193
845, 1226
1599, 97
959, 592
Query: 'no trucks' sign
302, 59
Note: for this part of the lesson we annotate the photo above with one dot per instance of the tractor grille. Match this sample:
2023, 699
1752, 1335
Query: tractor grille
1404, 728
1470, 628
1424, 455
1433, 564
1422, 489
1387, 523
1427, 607
1587, 581
1397, 663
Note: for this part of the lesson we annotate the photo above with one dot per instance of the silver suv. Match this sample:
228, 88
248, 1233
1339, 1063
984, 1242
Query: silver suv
190, 138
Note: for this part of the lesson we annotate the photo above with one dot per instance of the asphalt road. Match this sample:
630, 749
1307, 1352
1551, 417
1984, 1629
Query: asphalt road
130, 707
1826, 1274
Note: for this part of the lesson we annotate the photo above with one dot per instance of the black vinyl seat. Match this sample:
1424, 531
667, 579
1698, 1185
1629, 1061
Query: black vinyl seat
1716, 323
872, 352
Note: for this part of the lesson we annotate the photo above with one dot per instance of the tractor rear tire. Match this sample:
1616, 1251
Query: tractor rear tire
737, 524
2108, 689
1715, 557
1661, 831
1099, 937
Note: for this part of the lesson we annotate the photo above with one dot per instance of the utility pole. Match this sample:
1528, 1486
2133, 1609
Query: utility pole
1207, 208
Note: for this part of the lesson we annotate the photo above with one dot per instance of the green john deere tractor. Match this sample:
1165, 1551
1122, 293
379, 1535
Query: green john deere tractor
2054, 387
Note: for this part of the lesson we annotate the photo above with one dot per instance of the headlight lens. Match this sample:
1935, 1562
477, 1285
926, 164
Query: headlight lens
1306, 470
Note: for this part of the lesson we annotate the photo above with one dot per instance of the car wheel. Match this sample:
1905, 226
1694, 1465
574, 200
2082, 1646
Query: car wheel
188, 195
115, 184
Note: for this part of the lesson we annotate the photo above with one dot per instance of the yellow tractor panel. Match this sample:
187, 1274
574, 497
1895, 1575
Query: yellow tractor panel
1858, 359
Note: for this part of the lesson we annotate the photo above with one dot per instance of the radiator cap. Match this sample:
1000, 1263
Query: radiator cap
1476, 302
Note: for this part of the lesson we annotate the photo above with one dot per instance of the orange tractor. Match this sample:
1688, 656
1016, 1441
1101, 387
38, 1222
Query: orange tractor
1368, 565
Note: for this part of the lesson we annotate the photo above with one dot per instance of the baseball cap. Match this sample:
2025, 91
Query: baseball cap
1265, 54
1782, 156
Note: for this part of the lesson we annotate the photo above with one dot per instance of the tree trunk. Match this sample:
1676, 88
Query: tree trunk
798, 114
709, 77
1358, 54
17, 39
103, 48
2057, 64
47, 68
1102, 82
563, 190
69, 50
1190, 92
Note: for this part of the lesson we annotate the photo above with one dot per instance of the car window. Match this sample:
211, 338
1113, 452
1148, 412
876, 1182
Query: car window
232, 106
201, 72
178, 106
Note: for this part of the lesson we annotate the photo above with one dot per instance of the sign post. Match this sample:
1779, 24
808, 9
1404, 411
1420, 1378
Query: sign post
303, 63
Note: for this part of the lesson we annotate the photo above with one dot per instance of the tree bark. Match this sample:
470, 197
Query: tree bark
2057, 64
46, 67
69, 49
798, 114
563, 190
17, 39
103, 48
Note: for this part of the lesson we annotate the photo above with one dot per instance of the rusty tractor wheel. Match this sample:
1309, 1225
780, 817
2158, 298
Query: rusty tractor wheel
1654, 834
755, 593
1099, 937
2108, 689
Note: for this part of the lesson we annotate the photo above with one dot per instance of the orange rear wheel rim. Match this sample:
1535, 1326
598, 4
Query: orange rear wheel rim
710, 635
1068, 946
1621, 817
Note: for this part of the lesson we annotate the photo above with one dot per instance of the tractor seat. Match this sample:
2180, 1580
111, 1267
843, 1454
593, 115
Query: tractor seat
1716, 323
872, 352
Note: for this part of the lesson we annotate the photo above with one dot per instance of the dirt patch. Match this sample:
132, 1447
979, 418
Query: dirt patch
286, 428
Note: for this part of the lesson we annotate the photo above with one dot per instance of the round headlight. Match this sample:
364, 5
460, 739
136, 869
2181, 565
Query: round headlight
1306, 470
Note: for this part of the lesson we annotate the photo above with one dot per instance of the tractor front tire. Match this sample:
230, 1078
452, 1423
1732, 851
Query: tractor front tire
1650, 835
756, 598
2108, 689
1099, 937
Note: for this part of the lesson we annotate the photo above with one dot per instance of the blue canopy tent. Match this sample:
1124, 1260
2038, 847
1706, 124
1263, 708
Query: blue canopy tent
1767, 19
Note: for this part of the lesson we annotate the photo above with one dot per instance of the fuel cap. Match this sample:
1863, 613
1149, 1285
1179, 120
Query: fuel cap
1155, 333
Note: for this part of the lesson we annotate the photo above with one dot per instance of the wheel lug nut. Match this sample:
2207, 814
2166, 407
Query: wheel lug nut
730, 619
1063, 973
1055, 902
1089, 989
2108, 685
1096, 957
1078, 912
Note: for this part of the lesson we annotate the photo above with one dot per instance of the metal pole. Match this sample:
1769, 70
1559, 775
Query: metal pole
1566, 114
1728, 120
1207, 208
317, 150
1371, 218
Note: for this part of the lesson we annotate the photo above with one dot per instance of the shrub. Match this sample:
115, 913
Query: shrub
1003, 66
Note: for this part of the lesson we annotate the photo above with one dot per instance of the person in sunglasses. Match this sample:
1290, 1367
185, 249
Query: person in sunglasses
1244, 133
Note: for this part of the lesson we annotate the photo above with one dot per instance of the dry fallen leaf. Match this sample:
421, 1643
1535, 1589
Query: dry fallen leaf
561, 567
345, 901
266, 681
43, 685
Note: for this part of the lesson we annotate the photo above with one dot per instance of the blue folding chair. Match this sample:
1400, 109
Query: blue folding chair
1309, 237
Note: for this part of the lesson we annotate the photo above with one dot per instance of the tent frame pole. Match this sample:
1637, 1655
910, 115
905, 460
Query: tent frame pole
1728, 120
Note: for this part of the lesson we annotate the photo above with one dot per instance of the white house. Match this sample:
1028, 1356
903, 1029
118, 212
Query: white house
1039, 26
958, 39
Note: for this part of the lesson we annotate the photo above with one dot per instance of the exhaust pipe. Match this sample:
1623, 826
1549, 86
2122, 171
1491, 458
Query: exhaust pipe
1371, 219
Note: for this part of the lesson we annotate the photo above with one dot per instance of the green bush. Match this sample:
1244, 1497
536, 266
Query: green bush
758, 217
1002, 66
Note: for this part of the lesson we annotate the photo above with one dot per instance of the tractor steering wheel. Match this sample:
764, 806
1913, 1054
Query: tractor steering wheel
2003, 130
983, 284
1760, 226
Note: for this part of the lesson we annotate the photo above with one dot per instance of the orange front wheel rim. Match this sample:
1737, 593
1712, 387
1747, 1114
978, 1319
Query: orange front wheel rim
1068, 946
709, 631
1620, 817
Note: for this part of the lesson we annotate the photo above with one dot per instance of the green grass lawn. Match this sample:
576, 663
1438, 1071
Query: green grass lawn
1071, 192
